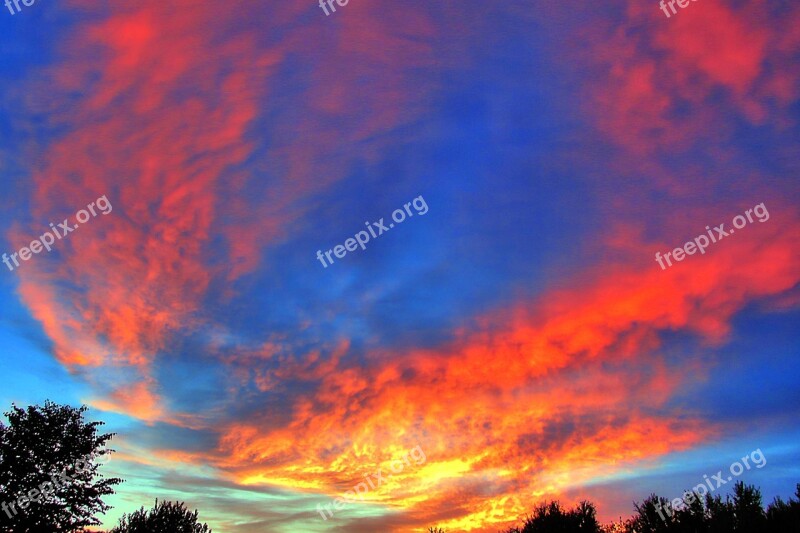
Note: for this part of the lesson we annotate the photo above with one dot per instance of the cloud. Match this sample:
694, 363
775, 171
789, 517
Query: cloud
168, 127
663, 85
543, 398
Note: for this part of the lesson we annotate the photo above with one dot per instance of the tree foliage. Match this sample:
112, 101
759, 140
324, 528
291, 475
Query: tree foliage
49, 479
742, 512
551, 518
164, 517
784, 517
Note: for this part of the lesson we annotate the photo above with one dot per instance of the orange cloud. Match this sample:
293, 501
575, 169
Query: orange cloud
536, 402
135, 400
165, 124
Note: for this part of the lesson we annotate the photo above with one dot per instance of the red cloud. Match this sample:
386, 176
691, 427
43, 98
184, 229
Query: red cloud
159, 105
156, 128
721, 60
537, 401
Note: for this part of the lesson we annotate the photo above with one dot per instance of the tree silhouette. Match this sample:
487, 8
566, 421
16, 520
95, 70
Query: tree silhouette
48, 475
748, 512
691, 518
784, 517
552, 518
654, 515
743, 513
620, 526
585, 517
164, 517
720, 514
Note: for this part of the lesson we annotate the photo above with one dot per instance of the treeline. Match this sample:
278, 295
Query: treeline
50, 479
741, 512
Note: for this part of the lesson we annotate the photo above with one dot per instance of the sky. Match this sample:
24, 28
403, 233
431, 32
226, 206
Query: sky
506, 327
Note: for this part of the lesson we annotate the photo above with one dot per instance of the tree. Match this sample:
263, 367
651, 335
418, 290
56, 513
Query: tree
784, 517
720, 514
691, 517
620, 526
748, 509
164, 517
552, 518
49, 479
654, 515
741, 513
585, 516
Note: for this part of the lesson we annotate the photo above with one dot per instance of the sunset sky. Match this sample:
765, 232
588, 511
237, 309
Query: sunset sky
520, 332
